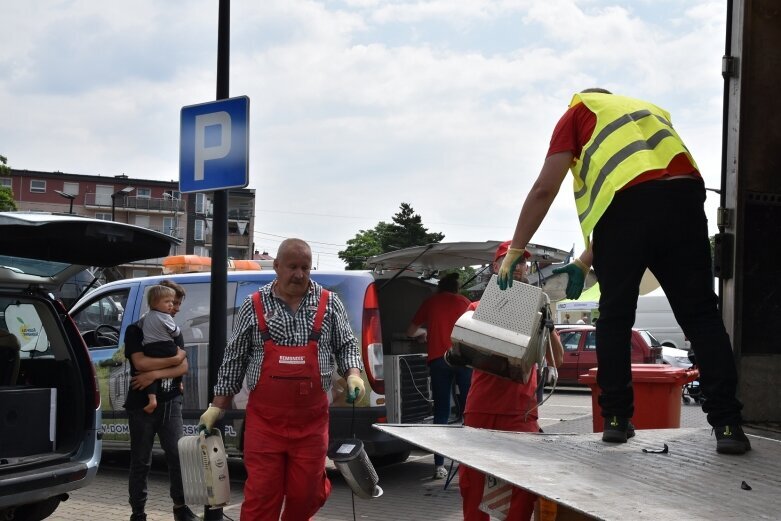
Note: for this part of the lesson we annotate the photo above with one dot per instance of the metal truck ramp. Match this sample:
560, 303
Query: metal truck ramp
620, 482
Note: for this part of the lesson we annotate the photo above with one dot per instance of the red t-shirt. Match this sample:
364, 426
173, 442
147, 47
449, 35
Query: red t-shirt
491, 394
574, 129
439, 313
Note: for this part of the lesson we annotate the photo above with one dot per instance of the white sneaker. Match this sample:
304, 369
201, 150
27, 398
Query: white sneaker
440, 472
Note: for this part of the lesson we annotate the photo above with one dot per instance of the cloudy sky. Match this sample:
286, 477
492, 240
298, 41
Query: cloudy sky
355, 105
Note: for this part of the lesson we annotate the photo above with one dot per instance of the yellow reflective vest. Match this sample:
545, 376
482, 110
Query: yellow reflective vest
631, 137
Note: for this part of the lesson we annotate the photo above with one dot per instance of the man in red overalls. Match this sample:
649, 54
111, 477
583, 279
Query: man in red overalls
284, 340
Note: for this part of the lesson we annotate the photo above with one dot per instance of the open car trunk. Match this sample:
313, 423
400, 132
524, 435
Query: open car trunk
48, 384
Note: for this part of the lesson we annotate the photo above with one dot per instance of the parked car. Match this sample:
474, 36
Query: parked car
50, 419
676, 357
580, 350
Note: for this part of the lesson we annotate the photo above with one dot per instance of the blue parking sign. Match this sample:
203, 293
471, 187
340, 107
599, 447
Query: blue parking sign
214, 145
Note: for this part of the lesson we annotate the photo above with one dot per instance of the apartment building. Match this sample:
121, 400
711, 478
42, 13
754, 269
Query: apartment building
156, 205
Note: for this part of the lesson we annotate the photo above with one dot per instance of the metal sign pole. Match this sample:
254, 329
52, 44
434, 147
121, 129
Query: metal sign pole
219, 286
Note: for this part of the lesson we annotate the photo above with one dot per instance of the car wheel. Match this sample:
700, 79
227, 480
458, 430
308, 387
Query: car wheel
390, 459
38, 511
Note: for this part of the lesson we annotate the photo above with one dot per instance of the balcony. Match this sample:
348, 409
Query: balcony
141, 204
234, 240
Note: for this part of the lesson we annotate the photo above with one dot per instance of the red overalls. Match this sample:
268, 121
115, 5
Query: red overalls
286, 432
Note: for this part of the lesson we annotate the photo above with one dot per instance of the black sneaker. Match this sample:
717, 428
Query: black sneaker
617, 429
183, 513
138, 517
730, 439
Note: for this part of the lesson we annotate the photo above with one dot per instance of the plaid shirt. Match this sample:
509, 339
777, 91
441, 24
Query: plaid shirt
244, 352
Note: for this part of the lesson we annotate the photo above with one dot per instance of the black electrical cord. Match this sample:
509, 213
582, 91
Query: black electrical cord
352, 430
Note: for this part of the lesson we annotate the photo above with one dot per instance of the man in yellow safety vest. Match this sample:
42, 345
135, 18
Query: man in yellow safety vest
639, 197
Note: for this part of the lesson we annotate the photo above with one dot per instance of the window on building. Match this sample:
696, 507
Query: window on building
103, 216
202, 251
38, 186
144, 193
169, 226
200, 203
199, 229
70, 188
5, 181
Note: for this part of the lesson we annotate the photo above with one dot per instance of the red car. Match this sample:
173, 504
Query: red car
580, 350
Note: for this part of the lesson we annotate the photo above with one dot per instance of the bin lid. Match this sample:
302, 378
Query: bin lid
649, 373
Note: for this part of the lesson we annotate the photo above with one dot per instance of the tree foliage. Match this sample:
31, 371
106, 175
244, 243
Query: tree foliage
405, 230
6, 195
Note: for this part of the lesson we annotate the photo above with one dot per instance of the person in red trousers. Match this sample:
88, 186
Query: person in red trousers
501, 404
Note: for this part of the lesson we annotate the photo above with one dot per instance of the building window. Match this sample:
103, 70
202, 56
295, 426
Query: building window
144, 193
38, 186
169, 226
103, 216
201, 250
199, 227
70, 188
5, 181
200, 203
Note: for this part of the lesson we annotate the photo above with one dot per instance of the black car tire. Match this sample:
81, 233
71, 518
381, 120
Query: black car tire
38, 511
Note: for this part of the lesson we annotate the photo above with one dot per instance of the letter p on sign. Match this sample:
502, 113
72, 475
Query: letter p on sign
204, 153
214, 145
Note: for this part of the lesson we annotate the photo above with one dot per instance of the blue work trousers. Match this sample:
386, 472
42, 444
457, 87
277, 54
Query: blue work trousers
442, 378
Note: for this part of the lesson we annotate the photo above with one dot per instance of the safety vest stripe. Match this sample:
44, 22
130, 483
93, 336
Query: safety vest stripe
603, 135
612, 163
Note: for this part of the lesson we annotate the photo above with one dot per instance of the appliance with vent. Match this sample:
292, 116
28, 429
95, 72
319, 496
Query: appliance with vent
409, 400
506, 335
204, 469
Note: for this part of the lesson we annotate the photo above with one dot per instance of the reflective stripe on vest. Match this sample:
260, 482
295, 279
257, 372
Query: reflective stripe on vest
631, 137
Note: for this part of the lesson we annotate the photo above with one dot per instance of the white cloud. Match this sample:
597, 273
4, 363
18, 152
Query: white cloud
355, 106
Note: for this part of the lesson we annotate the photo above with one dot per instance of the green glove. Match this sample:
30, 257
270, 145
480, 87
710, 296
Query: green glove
505, 276
209, 418
355, 388
576, 275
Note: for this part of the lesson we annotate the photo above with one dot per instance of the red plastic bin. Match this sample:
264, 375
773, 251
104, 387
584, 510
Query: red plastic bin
657, 390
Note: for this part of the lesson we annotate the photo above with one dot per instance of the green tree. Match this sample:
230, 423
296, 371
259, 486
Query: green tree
6, 195
405, 231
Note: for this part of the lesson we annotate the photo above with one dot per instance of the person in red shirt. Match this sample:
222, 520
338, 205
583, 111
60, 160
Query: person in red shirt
502, 404
439, 314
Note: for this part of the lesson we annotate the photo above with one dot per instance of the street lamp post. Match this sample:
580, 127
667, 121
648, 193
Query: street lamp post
123, 191
71, 197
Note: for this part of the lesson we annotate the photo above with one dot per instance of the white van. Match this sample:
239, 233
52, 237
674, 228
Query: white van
655, 315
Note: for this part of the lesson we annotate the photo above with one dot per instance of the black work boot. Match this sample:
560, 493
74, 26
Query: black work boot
617, 429
730, 439
183, 513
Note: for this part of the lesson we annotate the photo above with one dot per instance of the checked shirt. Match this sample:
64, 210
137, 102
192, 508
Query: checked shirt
244, 352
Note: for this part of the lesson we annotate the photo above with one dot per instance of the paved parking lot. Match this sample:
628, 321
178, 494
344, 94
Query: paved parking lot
409, 492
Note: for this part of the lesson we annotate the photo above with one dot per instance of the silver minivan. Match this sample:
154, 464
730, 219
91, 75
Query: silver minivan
50, 416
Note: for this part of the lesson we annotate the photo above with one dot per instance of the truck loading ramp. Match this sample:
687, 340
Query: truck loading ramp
620, 482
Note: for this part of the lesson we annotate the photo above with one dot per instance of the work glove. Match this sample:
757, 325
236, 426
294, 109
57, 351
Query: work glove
355, 388
209, 418
511, 259
551, 375
576, 277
